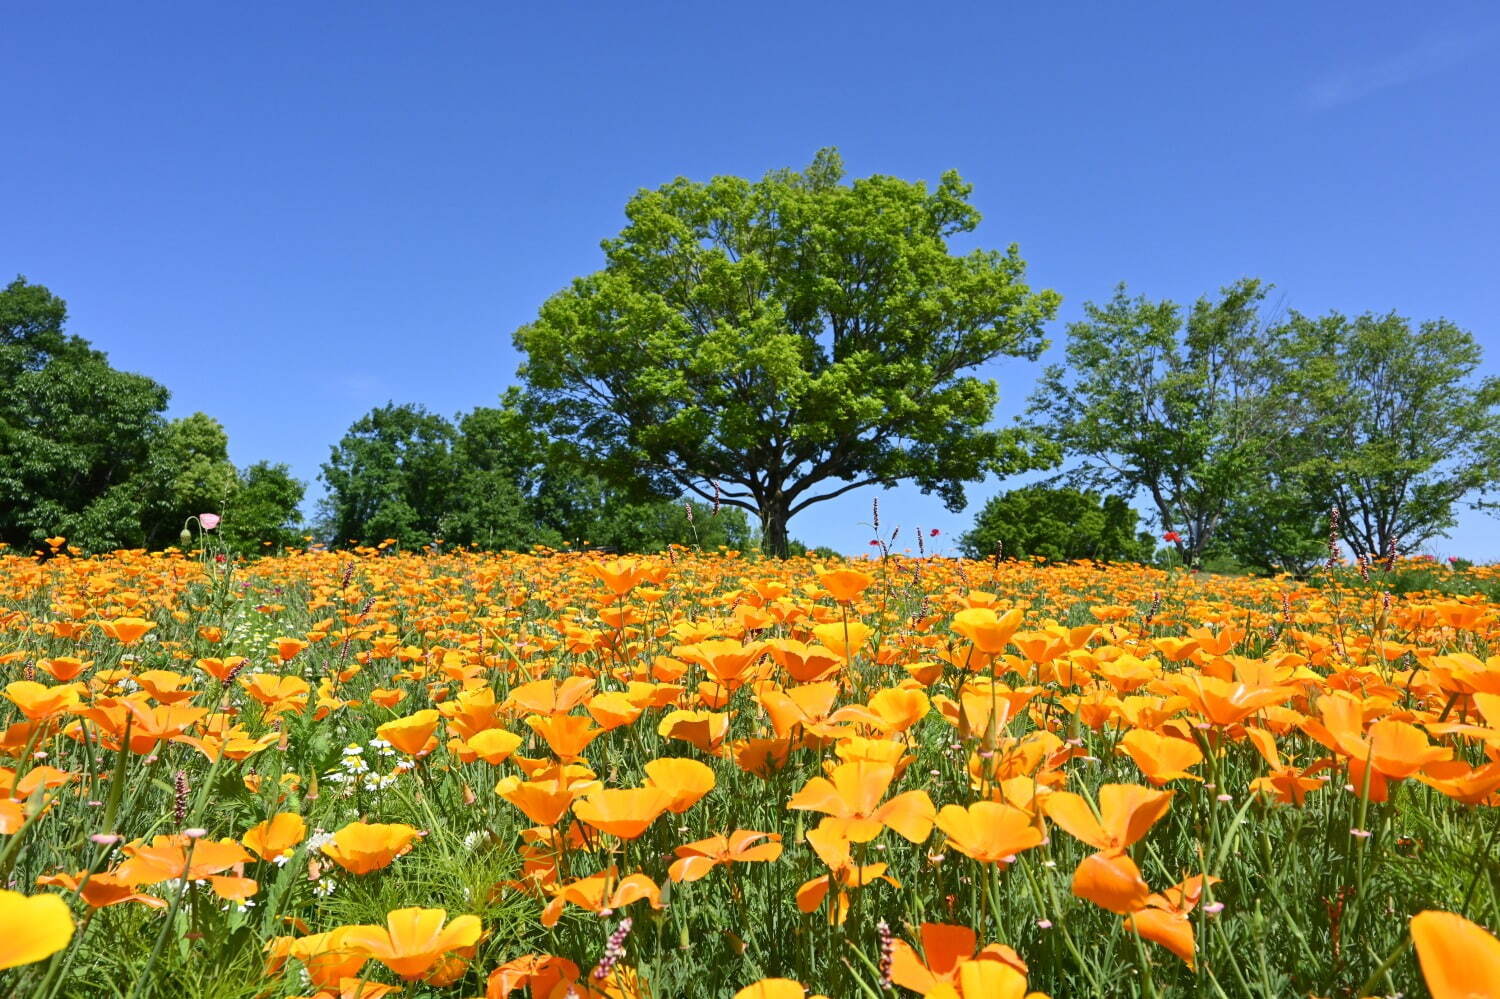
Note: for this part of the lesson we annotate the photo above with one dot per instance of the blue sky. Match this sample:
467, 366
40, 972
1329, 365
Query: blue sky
289, 213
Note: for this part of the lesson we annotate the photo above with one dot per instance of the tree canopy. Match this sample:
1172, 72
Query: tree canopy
1175, 404
492, 480
1057, 524
773, 344
75, 433
86, 451
1397, 430
1244, 433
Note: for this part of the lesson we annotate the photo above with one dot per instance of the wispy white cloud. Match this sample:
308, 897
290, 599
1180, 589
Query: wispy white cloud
1428, 57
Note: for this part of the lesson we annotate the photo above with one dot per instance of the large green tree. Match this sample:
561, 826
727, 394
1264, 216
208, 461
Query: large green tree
1397, 426
187, 472
1057, 524
263, 511
494, 480
75, 434
1179, 405
390, 476
776, 343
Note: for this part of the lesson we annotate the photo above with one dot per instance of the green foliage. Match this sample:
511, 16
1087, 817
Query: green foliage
652, 526
1057, 524
787, 340
75, 434
390, 477
187, 472
1177, 406
1396, 426
495, 481
263, 513
1244, 434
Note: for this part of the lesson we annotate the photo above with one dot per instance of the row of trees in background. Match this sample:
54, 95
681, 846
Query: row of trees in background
86, 452
1243, 432
492, 480
758, 347
794, 338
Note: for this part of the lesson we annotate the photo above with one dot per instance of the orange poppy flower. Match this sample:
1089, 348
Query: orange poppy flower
695, 860
38, 701
1288, 784
362, 847
990, 632
233, 889
32, 928
494, 745
412, 735
277, 693
620, 576
947, 951
845, 584
1226, 702
852, 796
169, 857
625, 812
220, 669
328, 958
1127, 812
988, 831
899, 708
1164, 919
1112, 882
802, 662
387, 697
1460, 960
287, 649
605, 890
613, 709
685, 780
551, 697
704, 729
276, 838
547, 799
127, 630
831, 844
566, 735
1161, 758
542, 972
64, 668
844, 639
413, 940
729, 662
101, 889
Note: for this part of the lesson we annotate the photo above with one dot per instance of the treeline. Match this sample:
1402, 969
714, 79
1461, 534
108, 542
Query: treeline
86, 453
491, 480
758, 347
1254, 438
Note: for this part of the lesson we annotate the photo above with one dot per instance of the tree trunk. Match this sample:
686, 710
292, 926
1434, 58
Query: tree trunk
774, 540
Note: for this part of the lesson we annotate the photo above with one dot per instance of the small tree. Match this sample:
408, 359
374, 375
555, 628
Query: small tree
187, 472
75, 434
391, 476
1397, 428
775, 344
1057, 524
1180, 407
264, 510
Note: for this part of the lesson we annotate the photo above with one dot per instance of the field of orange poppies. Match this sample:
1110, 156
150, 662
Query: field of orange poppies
361, 774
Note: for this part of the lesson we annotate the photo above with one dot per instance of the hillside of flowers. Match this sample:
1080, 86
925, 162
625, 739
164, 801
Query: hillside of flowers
358, 774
